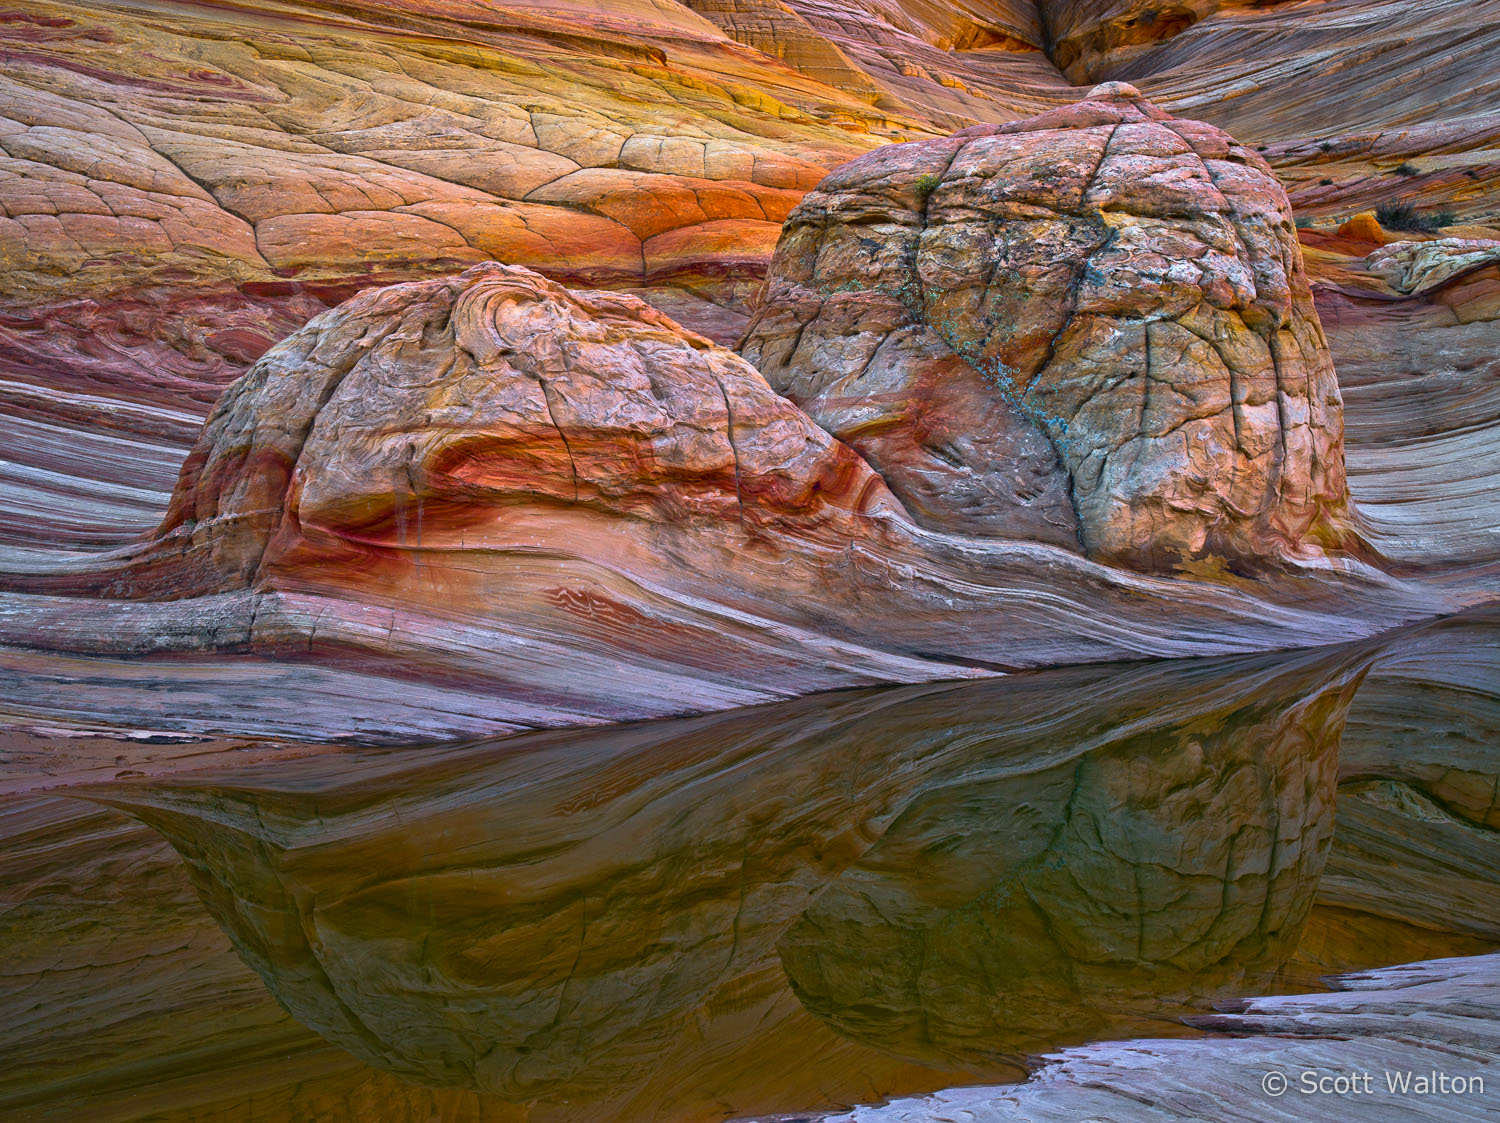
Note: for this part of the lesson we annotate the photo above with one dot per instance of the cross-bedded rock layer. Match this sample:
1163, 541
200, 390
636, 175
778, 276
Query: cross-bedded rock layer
1094, 322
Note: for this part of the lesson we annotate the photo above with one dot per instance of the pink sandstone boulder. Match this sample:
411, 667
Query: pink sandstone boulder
1091, 328
443, 415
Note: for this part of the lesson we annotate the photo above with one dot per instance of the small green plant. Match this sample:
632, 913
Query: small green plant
925, 184
1325, 183
1408, 169
1402, 214
1303, 222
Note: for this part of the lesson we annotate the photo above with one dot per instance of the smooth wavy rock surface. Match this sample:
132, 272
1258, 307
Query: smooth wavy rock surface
1420, 377
1420, 1022
1128, 286
570, 509
1277, 70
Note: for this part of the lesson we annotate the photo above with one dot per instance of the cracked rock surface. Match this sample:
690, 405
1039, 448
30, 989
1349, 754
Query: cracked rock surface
1091, 323
432, 415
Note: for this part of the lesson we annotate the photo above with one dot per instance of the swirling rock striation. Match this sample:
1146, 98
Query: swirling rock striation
1416, 325
1094, 321
439, 414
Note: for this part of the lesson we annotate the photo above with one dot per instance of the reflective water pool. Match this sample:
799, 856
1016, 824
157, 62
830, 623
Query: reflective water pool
776, 909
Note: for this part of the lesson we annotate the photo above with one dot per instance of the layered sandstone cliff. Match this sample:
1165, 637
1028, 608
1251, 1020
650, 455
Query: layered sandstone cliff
307, 158
185, 187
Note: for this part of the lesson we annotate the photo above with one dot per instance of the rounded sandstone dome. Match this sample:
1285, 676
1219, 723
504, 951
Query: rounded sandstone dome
1090, 328
470, 412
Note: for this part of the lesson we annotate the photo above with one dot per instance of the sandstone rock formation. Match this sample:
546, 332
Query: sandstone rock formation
1414, 268
1417, 329
1280, 70
539, 507
1093, 322
445, 415
181, 190
255, 173
185, 184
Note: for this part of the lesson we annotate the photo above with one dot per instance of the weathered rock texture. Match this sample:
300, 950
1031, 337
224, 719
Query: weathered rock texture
549, 506
438, 415
1095, 321
183, 188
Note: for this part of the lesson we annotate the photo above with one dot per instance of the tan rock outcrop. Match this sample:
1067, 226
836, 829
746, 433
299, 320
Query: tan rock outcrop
1363, 227
1414, 268
425, 415
1095, 319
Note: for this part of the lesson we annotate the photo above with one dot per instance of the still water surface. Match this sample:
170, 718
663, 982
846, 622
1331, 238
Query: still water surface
859, 894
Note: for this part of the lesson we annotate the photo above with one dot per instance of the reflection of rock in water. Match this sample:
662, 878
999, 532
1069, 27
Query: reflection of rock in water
1415, 868
1006, 913
594, 917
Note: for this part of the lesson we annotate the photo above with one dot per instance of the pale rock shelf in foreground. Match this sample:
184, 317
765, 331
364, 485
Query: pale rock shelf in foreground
1437, 1021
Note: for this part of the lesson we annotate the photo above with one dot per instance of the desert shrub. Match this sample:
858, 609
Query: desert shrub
1402, 214
925, 184
1303, 222
1408, 169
